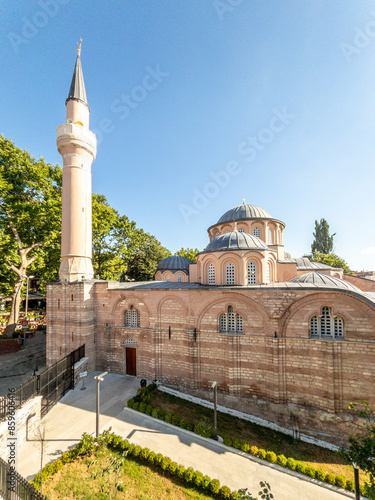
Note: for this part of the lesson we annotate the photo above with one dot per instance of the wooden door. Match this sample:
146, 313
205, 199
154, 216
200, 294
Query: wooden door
131, 361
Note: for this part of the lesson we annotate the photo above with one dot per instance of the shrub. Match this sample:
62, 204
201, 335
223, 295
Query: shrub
262, 454
168, 418
189, 475
142, 407
228, 440
158, 459
155, 413
340, 481
214, 486
131, 448
137, 450
319, 474
330, 478
172, 467
130, 403
281, 460
271, 457
300, 467
236, 443
190, 426
148, 410
198, 478
151, 457
245, 446
124, 445
254, 451
120, 487
202, 430
349, 485
145, 453
161, 414
363, 490
225, 492
310, 471
136, 406
206, 482
291, 464
165, 463
183, 424
176, 420
181, 471
234, 495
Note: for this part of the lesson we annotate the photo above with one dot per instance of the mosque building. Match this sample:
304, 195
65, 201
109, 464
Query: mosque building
286, 339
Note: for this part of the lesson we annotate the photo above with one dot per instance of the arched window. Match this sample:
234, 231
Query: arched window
168, 278
251, 273
217, 234
256, 232
211, 274
269, 236
227, 231
132, 317
160, 277
326, 326
241, 230
179, 278
229, 274
230, 322
268, 272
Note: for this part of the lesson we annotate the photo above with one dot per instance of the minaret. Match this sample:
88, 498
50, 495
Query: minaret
77, 146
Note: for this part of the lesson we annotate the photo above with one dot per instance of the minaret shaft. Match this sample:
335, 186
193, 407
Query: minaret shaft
77, 146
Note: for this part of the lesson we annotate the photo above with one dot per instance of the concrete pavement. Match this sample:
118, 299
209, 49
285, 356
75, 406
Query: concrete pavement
75, 414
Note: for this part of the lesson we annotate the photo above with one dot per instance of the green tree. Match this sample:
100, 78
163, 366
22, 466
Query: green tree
323, 241
142, 265
332, 260
361, 449
30, 218
189, 253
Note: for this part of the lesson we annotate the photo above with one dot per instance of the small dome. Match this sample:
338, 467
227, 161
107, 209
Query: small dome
244, 212
305, 263
321, 279
174, 264
236, 240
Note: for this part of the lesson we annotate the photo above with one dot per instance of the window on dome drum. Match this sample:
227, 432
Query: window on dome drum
251, 273
229, 274
160, 277
227, 231
241, 230
269, 236
168, 277
217, 234
230, 322
211, 274
179, 278
132, 318
325, 326
256, 232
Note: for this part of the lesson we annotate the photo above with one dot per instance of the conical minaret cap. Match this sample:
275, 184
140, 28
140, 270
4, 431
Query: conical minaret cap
77, 87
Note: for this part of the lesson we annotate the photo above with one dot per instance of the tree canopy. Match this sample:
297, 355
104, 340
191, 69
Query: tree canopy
189, 253
332, 260
323, 241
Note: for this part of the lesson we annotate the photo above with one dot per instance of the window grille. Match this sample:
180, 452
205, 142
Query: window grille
327, 326
268, 273
223, 322
230, 322
168, 277
251, 273
132, 318
270, 236
211, 274
257, 232
338, 327
325, 321
230, 274
241, 230
179, 278
314, 326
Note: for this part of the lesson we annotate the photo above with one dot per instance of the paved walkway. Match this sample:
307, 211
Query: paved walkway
75, 414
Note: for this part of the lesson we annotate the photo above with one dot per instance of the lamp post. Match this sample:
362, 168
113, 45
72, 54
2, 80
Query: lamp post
214, 387
98, 378
28, 278
356, 481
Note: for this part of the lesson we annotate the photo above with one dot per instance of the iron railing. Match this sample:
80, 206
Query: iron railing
14, 487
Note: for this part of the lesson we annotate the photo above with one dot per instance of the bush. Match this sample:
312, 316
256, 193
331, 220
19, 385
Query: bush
363, 490
198, 478
148, 410
202, 430
340, 481
168, 418
234, 495
136, 406
190, 426
124, 445
189, 475
225, 492
281, 460
120, 487
262, 454
254, 451
183, 424
161, 414
155, 413
176, 420
236, 443
165, 463
130, 403
245, 446
137, 450
142, 407
214, 486
349, 485
319, 474
151, 457
206, 482
271, 457
301, 467
228, 440
145, 453
310, 471
330, 478
181, 471
291, 464
158, 459
172, 467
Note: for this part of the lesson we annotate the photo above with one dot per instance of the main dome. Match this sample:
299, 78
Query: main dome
244, 212
235, 240
174, 264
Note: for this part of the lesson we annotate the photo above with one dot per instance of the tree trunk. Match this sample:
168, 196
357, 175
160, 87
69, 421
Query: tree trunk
15, 308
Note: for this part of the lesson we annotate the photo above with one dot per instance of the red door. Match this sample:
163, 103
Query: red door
131, 361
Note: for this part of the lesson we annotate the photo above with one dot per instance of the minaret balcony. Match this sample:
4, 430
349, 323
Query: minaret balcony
71, 133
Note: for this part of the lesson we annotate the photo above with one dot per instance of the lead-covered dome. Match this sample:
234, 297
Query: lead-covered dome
236, 240
174, 264
243, 212
321, 279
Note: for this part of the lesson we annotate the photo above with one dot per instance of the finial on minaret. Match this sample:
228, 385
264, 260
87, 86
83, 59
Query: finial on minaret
243, 201
235, 226
79, 47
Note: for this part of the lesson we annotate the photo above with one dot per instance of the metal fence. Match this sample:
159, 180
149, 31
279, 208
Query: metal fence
52, 383
15, 487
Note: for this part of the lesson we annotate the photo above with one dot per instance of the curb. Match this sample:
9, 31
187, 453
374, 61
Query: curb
257, 460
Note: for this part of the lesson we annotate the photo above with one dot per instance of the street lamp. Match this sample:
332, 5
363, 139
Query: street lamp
214, 387
356, 481
98, 378
28, 278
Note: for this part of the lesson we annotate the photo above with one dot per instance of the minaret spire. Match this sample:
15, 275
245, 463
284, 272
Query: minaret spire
77, 89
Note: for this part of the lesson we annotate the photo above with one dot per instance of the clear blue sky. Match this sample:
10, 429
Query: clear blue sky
281, 94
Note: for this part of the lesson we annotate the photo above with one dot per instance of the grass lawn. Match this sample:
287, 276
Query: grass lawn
264, 438
83, 479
